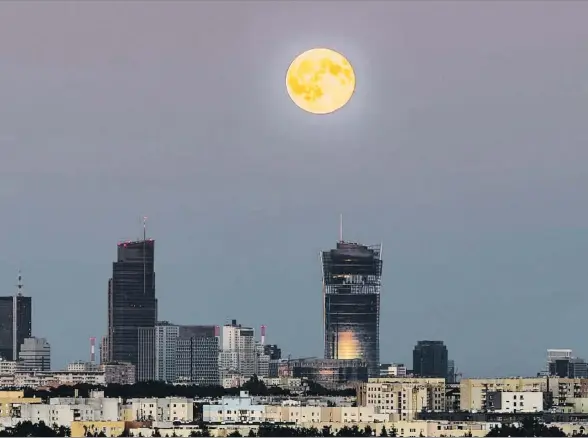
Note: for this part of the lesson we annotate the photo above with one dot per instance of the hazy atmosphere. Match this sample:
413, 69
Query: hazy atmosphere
463, 150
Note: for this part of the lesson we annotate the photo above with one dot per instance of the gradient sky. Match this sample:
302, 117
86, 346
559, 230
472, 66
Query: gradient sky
464, 150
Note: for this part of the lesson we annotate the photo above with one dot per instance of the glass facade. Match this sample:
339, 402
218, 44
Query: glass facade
23, 320
351, 286
131, 302
430, 359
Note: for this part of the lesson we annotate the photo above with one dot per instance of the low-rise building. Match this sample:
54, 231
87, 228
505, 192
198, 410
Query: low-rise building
234, 410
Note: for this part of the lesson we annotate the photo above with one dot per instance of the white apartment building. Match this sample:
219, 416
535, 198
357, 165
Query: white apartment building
35, 354
513, 402
238, 350
162, 409
166, 351
35, 379
234, 410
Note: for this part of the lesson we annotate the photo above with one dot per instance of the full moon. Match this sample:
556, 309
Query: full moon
320, 81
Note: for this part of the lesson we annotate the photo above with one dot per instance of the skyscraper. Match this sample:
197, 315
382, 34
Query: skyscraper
15, 322
352, 275
132, 305
429, 359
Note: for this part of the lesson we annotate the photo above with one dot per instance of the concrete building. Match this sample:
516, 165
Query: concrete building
234, 410
119, 373
35, 354
473, 392
238, 350
403, 398
198, 355
162, 409
509, 401
81, 366
262, 360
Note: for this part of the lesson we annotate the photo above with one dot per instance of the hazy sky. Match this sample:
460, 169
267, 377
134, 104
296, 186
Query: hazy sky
463, 150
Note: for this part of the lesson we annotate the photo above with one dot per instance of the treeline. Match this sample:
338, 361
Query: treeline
26, 428
271, 430
161, 389
529, 427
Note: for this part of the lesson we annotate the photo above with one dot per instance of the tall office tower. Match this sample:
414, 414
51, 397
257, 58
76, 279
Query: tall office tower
15, 322
429, 359
132, 305
351, 290
166, 351
238, 350
198, 354
35, 354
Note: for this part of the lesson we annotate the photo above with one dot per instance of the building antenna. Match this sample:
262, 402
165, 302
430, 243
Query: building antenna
144, 255
15, 298
341, 228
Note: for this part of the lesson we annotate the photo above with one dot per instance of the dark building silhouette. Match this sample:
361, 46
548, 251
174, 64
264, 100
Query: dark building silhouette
571, 367
20, 307
351, 287
273, 351
430, 359
132, 304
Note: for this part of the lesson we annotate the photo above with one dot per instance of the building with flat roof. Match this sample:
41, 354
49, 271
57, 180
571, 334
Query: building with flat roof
352, 275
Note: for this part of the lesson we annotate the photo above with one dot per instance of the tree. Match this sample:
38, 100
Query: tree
235, 433
384, 432
251, 433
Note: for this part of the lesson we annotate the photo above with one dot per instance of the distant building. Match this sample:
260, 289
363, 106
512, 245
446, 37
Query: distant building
238, 350
166, 351
451, 372
351, 292
429, 359
35, 354
562, 363
132, 306
81, 366
273, 351
198, 354
329, 373
119, 373
15, 313
146, 350
393, 370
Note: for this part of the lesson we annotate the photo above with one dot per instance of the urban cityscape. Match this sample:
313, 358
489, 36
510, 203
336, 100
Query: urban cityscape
451, 133
240, 385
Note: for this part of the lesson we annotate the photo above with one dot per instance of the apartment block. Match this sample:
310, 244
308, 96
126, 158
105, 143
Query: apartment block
473, 392
401, 397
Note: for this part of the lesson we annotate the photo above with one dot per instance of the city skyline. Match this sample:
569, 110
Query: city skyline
463, 149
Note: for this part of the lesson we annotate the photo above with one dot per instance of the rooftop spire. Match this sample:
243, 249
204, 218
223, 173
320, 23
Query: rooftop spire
19, 285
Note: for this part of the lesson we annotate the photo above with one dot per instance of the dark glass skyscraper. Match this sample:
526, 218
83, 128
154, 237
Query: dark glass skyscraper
430, 359
351, 287
131, 301
23, 307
